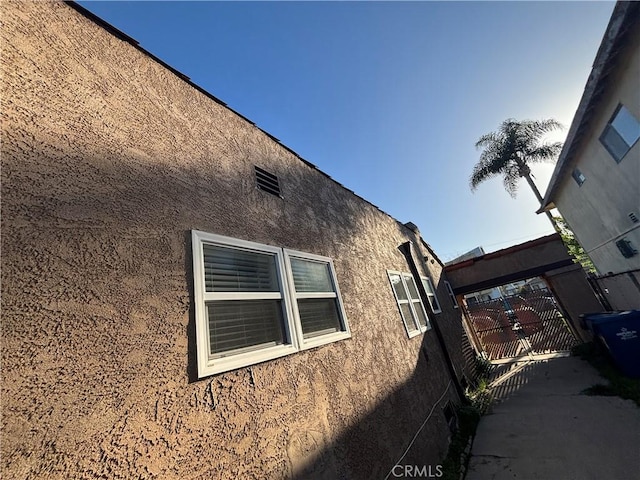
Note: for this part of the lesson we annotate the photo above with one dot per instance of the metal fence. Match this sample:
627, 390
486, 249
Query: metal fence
526, 323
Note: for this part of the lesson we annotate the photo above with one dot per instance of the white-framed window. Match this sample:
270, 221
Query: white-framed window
256, 302
316, 299
621, 133
409, 303
431, 294
454, 300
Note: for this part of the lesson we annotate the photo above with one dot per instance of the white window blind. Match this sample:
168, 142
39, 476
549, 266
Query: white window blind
233, 270
235, 325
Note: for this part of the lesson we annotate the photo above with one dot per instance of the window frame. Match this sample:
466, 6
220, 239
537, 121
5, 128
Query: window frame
411, 302
452, 295
610, 126
431, 294
319, 340
293, 339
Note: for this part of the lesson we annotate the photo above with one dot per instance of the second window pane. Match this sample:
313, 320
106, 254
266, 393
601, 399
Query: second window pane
408, 317
318, 316
311, 276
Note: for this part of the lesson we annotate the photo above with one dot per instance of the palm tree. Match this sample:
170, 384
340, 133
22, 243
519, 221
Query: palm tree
509, 151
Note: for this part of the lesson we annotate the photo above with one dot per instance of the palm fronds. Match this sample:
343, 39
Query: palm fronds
508, 151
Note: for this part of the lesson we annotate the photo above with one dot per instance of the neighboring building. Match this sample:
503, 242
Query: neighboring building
476, 252
185, 297
494, 293
596, 182
511, 288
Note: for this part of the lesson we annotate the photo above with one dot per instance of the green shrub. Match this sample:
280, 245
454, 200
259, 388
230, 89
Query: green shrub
457, 460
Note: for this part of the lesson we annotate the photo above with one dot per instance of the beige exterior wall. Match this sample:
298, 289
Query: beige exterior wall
598, 210
622, 290
109, 161
571, 288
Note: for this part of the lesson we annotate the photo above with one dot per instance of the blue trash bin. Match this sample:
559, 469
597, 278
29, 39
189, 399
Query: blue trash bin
587, 320
620, 334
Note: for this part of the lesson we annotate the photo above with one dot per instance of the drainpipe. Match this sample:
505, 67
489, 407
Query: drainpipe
599, 293
405, 248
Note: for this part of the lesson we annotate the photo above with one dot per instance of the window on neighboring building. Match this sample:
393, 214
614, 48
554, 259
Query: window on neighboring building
578, 177
411, 308
431, 294
621, 133
256, 302
454, 300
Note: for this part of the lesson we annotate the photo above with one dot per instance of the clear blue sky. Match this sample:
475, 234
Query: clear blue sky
388, 98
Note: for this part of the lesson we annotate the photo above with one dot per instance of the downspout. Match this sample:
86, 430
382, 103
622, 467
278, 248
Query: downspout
599, 292
405, 248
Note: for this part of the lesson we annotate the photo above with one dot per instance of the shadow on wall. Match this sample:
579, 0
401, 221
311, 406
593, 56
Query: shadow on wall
107, 165
382, 438
109, 235
97, 257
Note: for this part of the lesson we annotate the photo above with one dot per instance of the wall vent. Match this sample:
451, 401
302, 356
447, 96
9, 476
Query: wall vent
626, 248
268, 182
634, 218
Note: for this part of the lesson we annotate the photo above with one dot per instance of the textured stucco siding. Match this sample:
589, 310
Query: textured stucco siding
598, 210
572, 290
109, 160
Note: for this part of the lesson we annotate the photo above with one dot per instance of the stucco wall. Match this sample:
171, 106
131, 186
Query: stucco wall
571, 288
108, 162
622, 291
598, 210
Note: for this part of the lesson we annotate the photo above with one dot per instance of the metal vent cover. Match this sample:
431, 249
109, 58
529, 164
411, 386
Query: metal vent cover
626, 248
267, 182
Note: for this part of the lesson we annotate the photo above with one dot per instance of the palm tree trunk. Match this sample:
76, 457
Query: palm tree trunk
536, 192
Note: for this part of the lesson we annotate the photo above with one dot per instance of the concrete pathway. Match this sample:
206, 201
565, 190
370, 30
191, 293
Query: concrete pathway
542, 428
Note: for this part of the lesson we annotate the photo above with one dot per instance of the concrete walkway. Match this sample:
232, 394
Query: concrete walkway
542, 428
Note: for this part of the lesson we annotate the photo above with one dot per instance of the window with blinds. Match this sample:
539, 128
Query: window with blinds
315, 296
256, 302
244, 325
409, 303
234, 270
